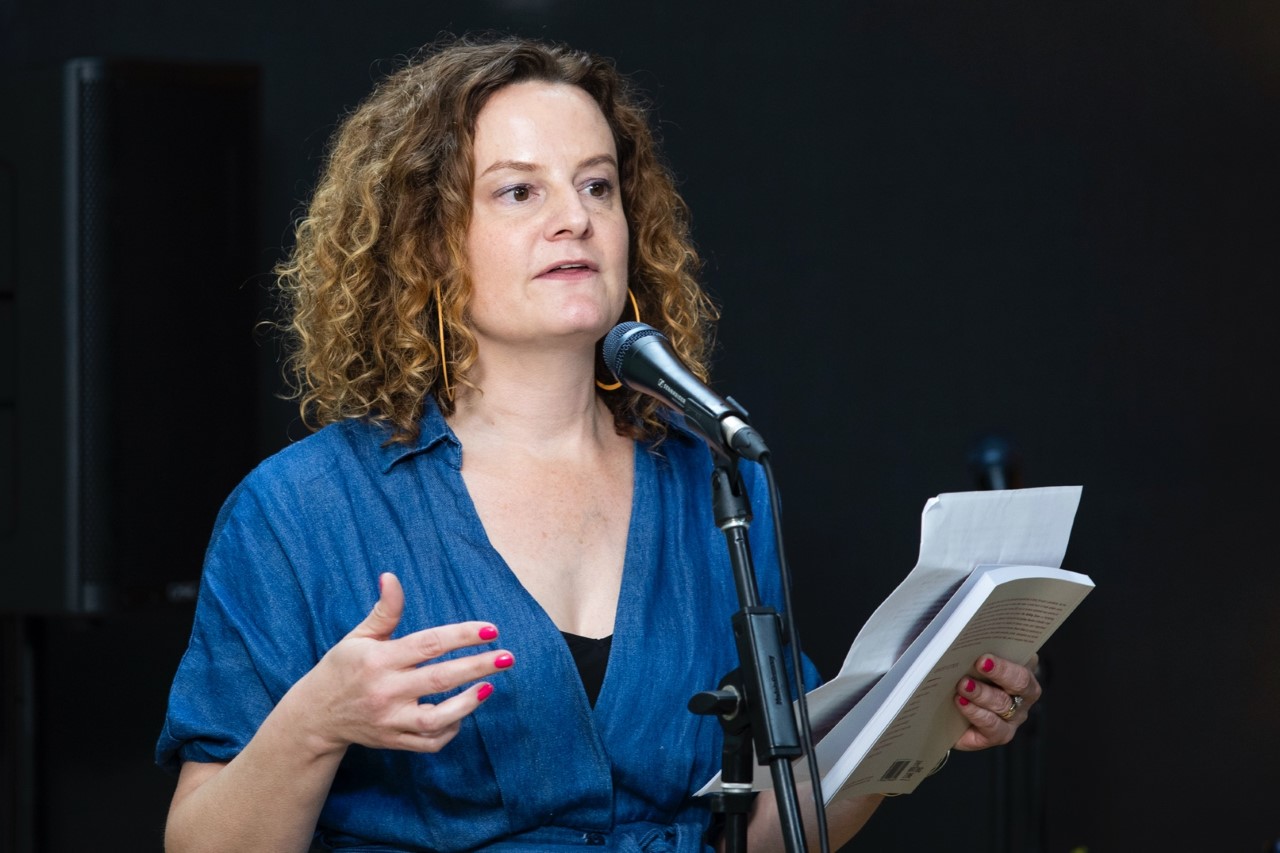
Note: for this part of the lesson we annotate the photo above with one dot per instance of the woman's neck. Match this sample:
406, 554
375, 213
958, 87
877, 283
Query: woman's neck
545, 405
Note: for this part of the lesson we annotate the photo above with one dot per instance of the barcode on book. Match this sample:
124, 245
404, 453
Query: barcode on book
895, 770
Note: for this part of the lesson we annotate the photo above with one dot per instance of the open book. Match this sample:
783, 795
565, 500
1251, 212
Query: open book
987, 581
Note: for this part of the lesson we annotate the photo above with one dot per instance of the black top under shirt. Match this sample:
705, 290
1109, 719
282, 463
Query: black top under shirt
591, 657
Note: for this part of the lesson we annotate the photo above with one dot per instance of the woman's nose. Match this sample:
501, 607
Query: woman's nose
568, 215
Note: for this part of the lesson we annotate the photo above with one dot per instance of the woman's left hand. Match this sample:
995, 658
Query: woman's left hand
996, 701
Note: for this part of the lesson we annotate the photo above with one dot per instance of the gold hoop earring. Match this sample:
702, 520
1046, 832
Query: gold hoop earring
444, 362
614, 386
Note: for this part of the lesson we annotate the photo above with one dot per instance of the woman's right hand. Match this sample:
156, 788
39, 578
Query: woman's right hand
366, 689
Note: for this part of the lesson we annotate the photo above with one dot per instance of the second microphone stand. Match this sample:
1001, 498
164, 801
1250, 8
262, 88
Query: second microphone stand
754, 701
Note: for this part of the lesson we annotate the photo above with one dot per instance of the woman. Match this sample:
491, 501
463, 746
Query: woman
551, 589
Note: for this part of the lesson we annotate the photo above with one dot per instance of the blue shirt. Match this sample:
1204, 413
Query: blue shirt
293, 565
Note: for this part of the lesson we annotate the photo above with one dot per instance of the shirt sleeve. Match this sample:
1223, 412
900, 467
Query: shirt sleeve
249, 641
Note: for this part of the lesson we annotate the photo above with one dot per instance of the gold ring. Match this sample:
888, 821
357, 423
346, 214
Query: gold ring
1014, 704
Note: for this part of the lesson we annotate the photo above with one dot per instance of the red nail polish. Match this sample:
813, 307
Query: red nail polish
484, 692
970, 685
988, 665
488, 632
964, 701
503, 661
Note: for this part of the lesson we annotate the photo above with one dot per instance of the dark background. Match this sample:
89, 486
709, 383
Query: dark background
927, 222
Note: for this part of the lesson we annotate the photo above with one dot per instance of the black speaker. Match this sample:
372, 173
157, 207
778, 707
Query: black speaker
129, 290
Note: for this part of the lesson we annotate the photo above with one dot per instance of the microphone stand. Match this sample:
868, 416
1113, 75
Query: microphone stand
754, 701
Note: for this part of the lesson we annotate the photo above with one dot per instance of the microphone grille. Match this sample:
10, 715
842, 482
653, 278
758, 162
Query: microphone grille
621, 339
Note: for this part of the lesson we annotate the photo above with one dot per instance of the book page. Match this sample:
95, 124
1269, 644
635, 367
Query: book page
888, 738
884, 721
1007, 611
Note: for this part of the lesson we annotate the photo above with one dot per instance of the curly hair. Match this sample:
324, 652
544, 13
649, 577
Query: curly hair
376, 288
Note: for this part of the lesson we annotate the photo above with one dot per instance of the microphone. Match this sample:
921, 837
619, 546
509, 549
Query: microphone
641, 358
996, 463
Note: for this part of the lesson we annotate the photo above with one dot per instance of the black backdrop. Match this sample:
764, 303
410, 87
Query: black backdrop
926, 221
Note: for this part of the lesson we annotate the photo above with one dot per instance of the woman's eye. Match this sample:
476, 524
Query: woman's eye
516, 192
599, 189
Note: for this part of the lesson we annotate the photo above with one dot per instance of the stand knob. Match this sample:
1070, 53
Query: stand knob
724, 702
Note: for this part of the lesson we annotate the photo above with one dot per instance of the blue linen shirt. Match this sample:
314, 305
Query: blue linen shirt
292, 567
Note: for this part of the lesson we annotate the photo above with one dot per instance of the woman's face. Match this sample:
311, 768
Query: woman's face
547, 244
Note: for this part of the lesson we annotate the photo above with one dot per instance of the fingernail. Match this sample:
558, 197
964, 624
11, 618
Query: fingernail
988, 665
484, 692
488, 632
503, 661
964, 701
969, 685
379, 584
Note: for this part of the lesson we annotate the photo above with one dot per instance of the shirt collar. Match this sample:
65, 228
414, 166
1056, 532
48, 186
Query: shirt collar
434, 431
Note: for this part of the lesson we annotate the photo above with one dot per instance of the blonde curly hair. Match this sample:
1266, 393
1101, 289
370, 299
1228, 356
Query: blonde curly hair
377, 281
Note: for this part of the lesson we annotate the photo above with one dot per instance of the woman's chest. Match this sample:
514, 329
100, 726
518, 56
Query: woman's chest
563, 534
